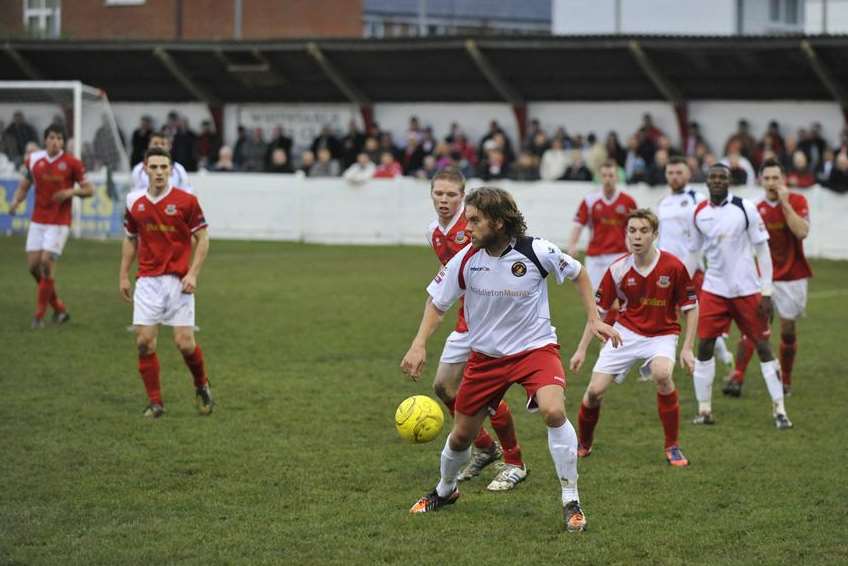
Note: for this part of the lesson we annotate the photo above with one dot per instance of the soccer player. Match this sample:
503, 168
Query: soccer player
787, 219
161, 222
502, 277
605, 213
448, 234
675, 212
729, 230
653, 286
179, 177
58, 177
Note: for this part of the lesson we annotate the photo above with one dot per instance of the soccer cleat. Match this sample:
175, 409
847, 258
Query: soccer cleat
479, 460
508, 477
704, 419
153, 411
575, 520
675, 457
433, 501
61, 317
203, 400
732, 388
37, 323
583, 452
782, 422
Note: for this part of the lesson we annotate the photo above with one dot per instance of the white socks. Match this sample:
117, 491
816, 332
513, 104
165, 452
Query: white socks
704, 377
451, 464
774, 385
562, 442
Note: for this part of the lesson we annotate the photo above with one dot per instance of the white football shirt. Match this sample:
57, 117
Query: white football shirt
727, 233
676, 213
179, 177
506, 297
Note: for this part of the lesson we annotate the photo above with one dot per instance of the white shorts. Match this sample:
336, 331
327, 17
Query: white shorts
160, 300
47, 237
790, 298
457, 348
596, 266
635, 347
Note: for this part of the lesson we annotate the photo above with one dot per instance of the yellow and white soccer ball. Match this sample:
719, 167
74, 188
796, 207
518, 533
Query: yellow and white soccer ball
419, 419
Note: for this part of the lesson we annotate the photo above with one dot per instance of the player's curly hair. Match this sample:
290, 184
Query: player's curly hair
497, 204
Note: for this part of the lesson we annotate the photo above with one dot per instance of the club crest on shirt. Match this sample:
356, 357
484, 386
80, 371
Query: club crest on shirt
171, 210
631, 281
663, 281
62, 166
460, 237
620, 209
141, 207
519, 269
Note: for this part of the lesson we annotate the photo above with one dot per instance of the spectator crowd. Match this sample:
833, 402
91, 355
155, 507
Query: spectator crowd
545, 153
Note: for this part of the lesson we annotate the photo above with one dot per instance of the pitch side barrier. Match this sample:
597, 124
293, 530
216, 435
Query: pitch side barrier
383, 211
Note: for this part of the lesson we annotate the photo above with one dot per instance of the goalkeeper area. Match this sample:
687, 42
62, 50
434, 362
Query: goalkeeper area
301, 463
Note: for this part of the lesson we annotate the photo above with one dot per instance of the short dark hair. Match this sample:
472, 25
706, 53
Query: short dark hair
677, 160
609, 163
153, 151
55, 129
450, 174
771, 162
497, 204
158, 134
647, 215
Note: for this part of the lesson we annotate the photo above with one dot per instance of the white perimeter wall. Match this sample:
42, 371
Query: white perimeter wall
289, 207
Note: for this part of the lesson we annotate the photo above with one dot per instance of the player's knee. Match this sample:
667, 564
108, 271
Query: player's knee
594, 396
443, 392
788, 337
764, 350
662, 372
185, 344
146, 346
461, 437
553, 415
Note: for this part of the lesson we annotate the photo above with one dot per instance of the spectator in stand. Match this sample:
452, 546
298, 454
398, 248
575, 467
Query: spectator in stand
429, 168
741, 141
554, 161
646, 147
767, 146
656, 172
648, 130
741, 170
307, 160
18, 134
280, 162
577, 171
388, 168
327, 139
463, 153
693, 138
454, 131
773, 130
790, 146
372, 148
538, 144
635, 167
838, 181
595, 154
494, 166
388, 144
823, 174
254, 149
800, 175
326, 166
171, 124
141, 139
414, 130
352, 143
501, 143
442, 156
208, 144
361, 171
813, 145
106, 149
225, 163
279, 140
533, 128
697, 173
526, 168
614, 149
428, 141
413, 155
563, 135
184, 145
238, 149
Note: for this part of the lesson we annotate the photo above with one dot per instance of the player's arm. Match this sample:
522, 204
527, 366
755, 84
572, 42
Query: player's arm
20, 193
596, 326
573, 238
766, 274
200, 240
799, 225
687, 357
129, 249
413, 362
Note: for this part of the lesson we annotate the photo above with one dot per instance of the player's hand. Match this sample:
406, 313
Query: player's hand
604, 332
126, 289
783, 193
62, 196
687, 360
765, 309
413, 362
189, 283
577, 360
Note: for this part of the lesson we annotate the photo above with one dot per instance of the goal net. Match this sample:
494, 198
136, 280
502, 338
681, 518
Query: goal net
92, 135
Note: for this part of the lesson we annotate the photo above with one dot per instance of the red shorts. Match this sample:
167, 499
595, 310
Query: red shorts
486, 379
716, 314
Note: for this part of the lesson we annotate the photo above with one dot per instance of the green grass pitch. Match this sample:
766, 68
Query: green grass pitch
300, 463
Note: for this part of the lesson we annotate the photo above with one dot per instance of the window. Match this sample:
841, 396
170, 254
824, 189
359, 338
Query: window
791, 11
774, 10
43, 18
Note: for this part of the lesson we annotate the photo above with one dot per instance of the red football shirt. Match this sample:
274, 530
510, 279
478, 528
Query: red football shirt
164, 226
446, 244
649, 300
606, 219
787, 250
51, 175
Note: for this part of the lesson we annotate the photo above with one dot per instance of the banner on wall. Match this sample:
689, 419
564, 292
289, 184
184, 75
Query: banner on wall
301, 123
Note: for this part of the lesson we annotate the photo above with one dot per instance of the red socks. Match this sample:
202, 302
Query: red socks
505, 429
55, 302
484, 440
788, 348
587, 418
669, 411
148, 367
46, 294
743, 357
194, 361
